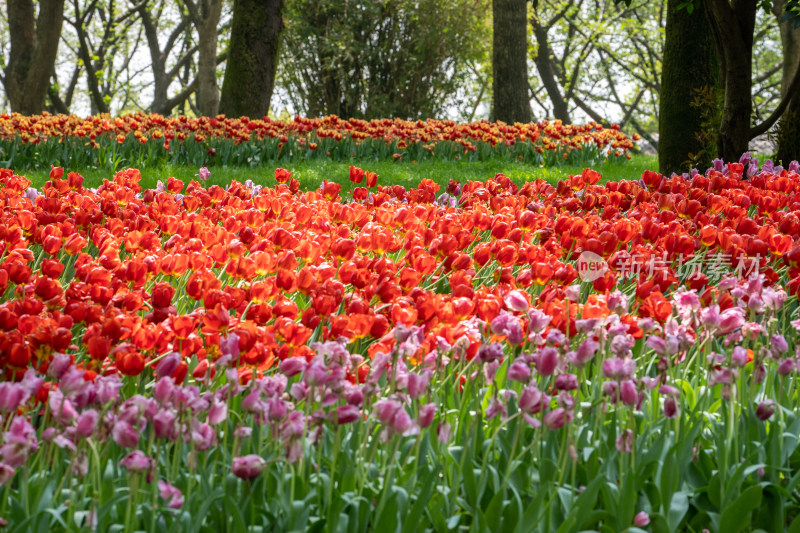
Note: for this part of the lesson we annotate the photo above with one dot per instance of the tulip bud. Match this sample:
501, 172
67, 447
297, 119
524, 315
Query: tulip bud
426, 414
248, 467
546, 361
168, 364
641, 519
765, 410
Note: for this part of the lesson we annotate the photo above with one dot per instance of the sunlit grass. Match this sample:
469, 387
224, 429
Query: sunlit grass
312, 173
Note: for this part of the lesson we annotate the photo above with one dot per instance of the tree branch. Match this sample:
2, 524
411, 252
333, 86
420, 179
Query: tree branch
794, 88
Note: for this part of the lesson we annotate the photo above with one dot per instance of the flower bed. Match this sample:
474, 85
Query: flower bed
494, 357
143, 140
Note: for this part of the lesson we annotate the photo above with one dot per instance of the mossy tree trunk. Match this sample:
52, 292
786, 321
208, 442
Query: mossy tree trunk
732, 26
789, 126
689, 84
252, 58
34, 45
510, 98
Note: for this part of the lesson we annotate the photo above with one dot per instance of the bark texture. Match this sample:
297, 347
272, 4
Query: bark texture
546, 67
205, 15
789, 126
510, 99
34, 45
732, 27
689, 74
252, 57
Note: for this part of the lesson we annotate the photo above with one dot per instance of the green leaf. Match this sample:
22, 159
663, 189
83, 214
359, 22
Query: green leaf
677, 510
737, 516
794, 527
414, 517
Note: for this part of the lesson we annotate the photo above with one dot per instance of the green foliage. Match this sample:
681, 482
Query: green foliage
367, 58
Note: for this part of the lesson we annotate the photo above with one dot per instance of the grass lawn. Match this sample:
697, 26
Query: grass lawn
312, 173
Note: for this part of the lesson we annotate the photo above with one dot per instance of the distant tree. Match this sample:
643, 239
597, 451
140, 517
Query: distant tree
252, 58
205, 16
599, 59
102, 33
34, 39
379, 58
510, 90
173, 52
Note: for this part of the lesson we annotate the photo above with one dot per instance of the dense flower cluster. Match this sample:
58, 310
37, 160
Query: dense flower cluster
271, 324
119, 276
213, 138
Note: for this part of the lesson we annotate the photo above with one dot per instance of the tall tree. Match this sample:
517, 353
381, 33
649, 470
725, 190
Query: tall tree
102, 31
510, 96
789, 125
380, 58
252, 57
733, 24
34, 45
172, 56
546, 65
689, 84
205, 15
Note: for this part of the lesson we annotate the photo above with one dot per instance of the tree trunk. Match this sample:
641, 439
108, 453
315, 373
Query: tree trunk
733, 34
688, 96
206, 22
510, 101
789, 126
34, 45
253, 58
547, 73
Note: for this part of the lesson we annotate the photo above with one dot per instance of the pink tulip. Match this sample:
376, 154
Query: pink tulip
418, 383
293, 366
6, 473
625, 441
426, 414
557, 418
20, 442
546, 361
627, 393
170, 493
566, 382
87, 422
765, 410
137, 462
671, 408
124, 434
516, 301
346, 414
443, 432
61, 408
164, 424
641, 519
248, 467
59, 365
532, 400
519, 371
168, 364
11, 396
731, 319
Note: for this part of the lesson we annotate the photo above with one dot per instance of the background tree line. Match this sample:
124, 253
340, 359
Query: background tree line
671, 70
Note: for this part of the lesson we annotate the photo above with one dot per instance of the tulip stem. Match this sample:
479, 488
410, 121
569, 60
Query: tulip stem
129, 510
